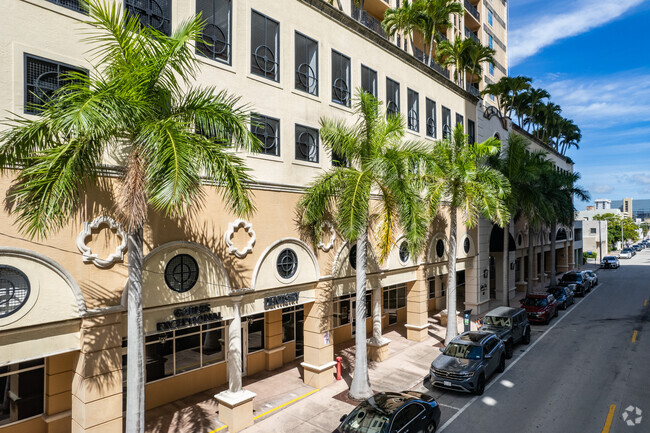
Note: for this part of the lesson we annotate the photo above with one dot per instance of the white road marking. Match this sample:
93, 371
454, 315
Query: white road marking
512, 364
507, 383
489, 401
450, 407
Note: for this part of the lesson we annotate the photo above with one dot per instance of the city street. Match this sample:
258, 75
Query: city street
585, 372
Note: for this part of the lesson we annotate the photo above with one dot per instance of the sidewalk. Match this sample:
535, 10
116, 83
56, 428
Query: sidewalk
285, 404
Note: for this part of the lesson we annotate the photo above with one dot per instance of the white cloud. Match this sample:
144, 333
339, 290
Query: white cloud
638, 178
548, 29
602, 189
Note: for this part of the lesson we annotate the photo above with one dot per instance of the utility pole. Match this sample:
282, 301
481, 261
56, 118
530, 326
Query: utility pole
600, 243
621, 234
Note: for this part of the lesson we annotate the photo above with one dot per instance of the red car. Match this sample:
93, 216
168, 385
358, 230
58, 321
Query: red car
541, 307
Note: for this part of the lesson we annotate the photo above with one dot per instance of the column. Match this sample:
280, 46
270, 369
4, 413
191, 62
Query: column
377, 345
572, 255
417, 314
235, 404
60, 371
563, 259
97, 378
273, 339
319, 342
535, 275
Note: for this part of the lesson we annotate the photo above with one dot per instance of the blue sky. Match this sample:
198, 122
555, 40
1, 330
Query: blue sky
593, 57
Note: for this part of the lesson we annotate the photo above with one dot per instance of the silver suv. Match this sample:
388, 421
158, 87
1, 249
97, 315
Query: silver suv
468, 361
510, 325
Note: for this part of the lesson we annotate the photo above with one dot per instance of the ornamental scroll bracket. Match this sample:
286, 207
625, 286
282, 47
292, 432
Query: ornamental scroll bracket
88, 255
232, 227
328, 226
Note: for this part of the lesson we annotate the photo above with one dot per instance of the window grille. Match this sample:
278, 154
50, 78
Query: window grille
369, 80
265, 46
306, 143
414, 110
156, 14
43, 78
446, 122
267, 130
306, 64
392, 97
340, 79
432, 129
75, 5
217, 33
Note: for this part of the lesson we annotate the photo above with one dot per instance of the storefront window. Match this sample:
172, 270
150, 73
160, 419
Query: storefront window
394, 298
343, 308
173, 352
432, 287
255, 332
22, 389
292, 327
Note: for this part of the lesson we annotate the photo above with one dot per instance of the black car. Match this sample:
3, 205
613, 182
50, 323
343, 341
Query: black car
564, 296
577, 278
509, 324
388, 412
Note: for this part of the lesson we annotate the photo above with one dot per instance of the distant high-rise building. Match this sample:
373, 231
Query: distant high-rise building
603, 203
627, 207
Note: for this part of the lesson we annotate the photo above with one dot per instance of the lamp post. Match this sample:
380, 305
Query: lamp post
621, 234
600, 243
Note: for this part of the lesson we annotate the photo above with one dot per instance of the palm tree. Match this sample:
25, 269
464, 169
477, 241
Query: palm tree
438, 13
500, 91
406, 19
138, 102
535, 97
547, 113
478, 53
378, 163
457, 173
516, 165
456, 54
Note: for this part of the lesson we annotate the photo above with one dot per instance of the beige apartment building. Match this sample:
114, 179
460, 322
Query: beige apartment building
211, 279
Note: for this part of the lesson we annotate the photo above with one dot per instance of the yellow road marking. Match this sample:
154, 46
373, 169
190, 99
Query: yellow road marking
634, 336
645, 303
610, 418
274, 409
285, 404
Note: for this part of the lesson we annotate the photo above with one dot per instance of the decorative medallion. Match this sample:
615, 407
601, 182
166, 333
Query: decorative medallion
248, 227
14, 290
327, 225
404, 252
287, 263
440, 248
466, 245
88, 256
181, 273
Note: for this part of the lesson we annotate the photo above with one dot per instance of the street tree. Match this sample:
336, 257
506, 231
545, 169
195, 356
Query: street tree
138, 103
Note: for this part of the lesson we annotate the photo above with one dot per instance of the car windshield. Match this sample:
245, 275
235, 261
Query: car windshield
570, 277
558, 293
535, 302
503, 322
610, 258
366, 418
463, 351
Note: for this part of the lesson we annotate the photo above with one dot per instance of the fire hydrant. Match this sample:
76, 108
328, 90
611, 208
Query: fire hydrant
338, 367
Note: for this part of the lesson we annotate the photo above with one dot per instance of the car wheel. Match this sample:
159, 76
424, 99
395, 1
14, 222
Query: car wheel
431, 427
555, 315
564, 305
502, 364
480, 385
526, 338
509, 349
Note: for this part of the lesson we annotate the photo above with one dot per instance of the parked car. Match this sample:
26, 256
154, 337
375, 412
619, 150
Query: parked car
541, 307
407, 411
510, 325
610, 262
592, 277
637, 247
582, 284
468, 361
563, 295
625, 254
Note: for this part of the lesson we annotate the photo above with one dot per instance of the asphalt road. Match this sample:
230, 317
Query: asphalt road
586, 372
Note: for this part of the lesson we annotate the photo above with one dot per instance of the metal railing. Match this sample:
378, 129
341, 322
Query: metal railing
471, 89
471, 34
368, 20
443, 37
421, 56
472, 10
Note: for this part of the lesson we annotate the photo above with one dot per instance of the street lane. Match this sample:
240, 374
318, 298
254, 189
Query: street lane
585, 362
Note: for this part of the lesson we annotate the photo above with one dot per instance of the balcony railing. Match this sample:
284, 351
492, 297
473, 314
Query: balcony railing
443, 37
419, 54
471, 34
368, 20
472, 10
471, 89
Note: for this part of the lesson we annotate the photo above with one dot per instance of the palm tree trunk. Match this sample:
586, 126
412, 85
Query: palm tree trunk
542, 260
452, 320
135, 378
431, 48
360, 387
553, 258
506, 259
529, 283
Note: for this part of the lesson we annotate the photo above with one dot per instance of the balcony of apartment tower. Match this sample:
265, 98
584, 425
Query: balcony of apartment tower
472, 15
371, 15
421, 52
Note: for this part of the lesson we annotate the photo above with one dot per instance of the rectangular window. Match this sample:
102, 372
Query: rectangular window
306, 143
492, 73
432, 287
157, 15
306, 64
22, 387
217, 33
293, 319
471, 131
267, 130
490, 41
180, 350
43, 78
340, 79
369, 80
446, 122
592, 231
341, 309
490, 17
432, 130
75, 5
414, 110
392, 97
459, 120
265, 46
394, 299
255, 332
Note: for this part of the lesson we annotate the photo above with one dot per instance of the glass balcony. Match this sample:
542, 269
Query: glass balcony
471, 34
368, 20
472, 10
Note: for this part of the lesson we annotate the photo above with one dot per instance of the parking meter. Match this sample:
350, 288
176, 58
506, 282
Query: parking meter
466, 315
